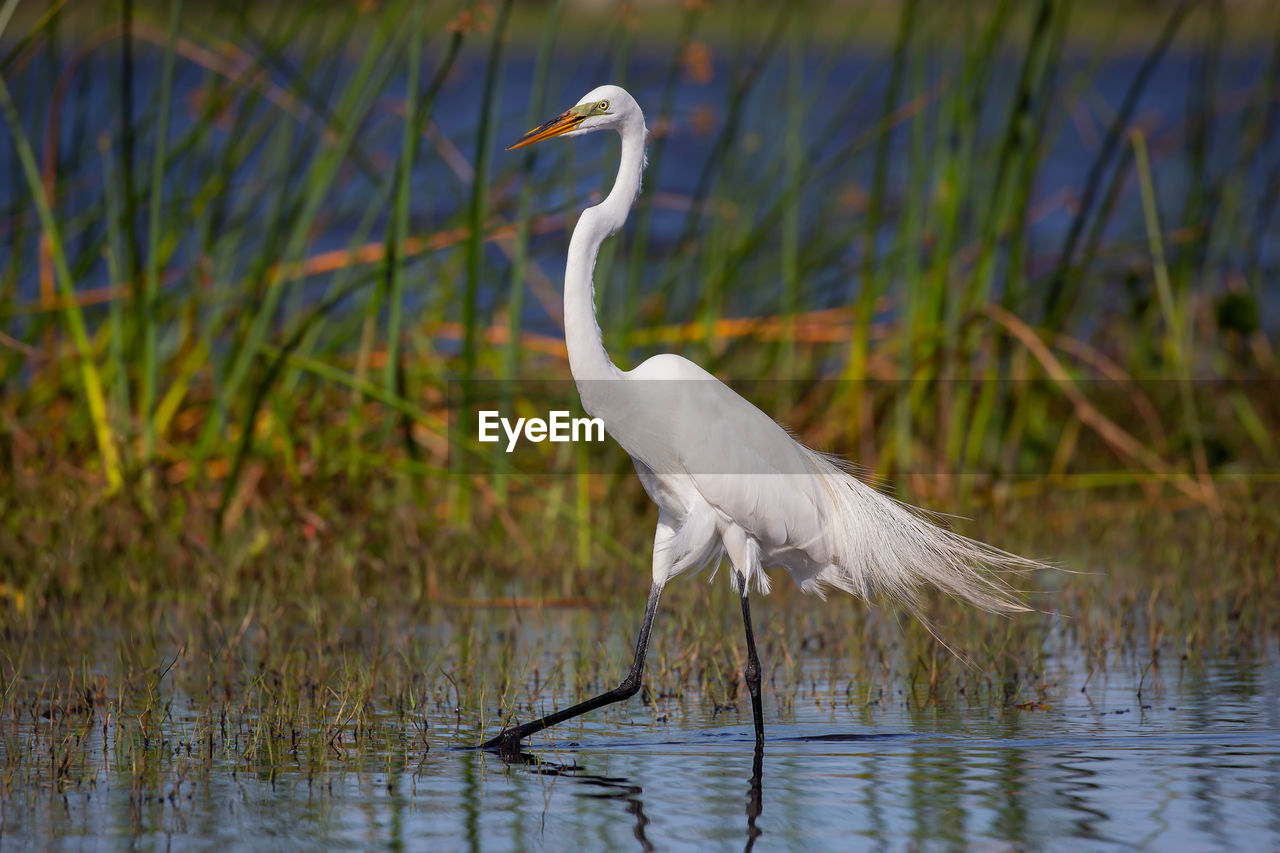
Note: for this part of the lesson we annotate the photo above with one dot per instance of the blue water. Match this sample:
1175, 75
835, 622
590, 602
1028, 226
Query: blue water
440, 194
1194, 764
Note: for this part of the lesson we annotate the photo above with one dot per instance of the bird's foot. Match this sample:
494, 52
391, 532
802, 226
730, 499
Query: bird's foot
507, 744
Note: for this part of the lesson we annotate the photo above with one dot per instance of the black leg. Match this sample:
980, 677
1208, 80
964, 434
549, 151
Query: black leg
508, 743
753, 668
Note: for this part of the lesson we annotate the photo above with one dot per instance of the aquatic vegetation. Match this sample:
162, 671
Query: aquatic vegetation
243, 537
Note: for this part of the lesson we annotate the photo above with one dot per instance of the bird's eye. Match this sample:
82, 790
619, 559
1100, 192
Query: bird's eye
602, 106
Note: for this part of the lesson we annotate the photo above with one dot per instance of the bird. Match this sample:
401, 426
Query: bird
728, 480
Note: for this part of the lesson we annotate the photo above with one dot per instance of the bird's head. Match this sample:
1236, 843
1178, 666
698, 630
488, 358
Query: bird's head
602, 108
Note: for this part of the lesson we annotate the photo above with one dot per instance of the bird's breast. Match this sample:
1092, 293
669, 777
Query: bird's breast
675, 494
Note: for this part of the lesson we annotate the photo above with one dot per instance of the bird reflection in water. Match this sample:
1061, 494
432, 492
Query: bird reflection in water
755, 798
602, 788
623, 790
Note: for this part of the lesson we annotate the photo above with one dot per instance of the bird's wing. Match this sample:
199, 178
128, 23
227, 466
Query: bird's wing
685, 422
796, 508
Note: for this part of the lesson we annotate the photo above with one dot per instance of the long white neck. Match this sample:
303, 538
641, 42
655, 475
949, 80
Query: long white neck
587, 357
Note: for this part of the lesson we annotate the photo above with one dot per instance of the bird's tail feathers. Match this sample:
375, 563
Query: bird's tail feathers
881, 546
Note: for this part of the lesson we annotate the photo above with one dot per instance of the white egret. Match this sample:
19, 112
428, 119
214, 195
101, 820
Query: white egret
727, 479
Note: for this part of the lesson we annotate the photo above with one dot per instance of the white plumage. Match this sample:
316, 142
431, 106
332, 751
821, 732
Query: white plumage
728, 480
726, 477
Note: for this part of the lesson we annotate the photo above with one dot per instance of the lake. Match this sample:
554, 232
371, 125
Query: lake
1191, 764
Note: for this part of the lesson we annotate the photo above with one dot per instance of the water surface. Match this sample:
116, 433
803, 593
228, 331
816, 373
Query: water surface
1192, 764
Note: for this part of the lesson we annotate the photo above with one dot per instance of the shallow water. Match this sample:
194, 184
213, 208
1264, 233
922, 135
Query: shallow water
1194, 764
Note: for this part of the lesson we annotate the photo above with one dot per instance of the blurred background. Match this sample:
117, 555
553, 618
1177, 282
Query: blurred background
255, 257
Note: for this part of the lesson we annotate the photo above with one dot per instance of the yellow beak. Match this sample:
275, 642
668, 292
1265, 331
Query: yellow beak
562, 123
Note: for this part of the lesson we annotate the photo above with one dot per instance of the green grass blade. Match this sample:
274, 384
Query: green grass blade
1173, 310
90, 378
150, 369
398, 228
358, 99
477, 213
